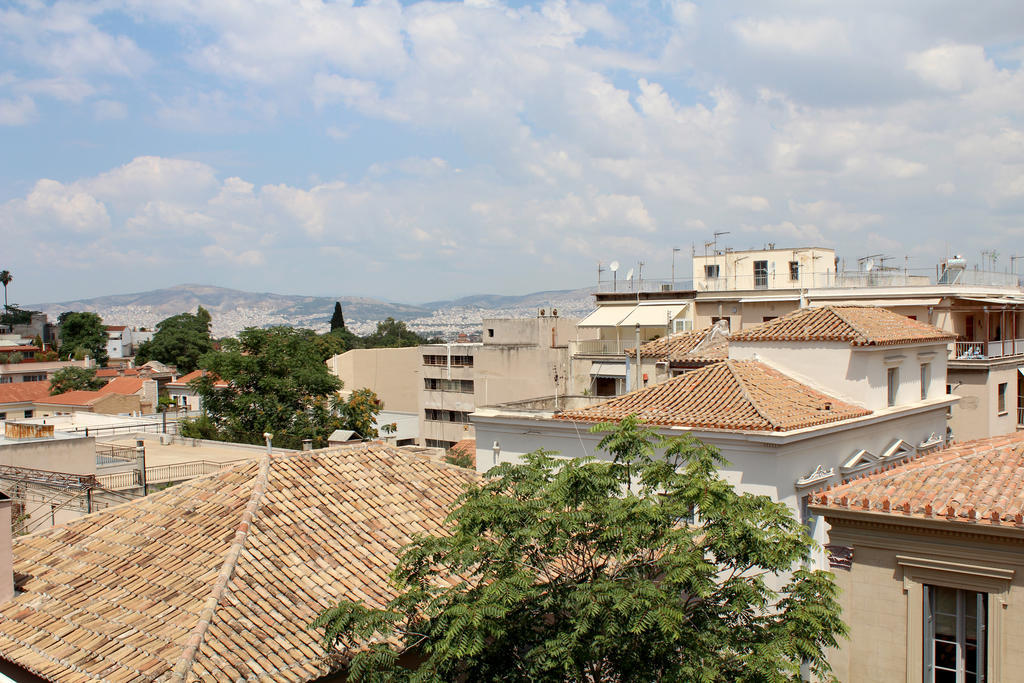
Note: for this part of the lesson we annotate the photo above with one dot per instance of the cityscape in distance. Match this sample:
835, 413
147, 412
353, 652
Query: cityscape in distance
234, 310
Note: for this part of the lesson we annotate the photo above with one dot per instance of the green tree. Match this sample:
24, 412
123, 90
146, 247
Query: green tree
392, 333
5, 279
180, 340
74, 379
83, 330
359, 412
338, 319
567, 572
277, 383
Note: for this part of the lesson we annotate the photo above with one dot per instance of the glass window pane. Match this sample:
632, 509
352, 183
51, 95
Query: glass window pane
945, 677
945, 654
945, 600
945, 627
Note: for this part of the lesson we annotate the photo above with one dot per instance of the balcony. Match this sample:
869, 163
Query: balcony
600, 347
979, 350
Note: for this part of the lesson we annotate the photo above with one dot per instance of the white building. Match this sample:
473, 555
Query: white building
802, 401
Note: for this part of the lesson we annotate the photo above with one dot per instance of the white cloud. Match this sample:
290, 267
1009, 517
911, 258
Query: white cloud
801, 36
17, 112
952, 67
749, 203
64, 207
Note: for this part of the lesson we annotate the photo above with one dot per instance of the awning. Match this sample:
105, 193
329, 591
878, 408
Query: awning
1002, 301
884, 303
778, 297
608, 370
652, 315
606, 316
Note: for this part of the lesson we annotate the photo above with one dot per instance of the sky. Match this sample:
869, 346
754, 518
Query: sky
416, 151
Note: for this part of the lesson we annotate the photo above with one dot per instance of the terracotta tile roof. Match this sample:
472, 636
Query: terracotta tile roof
115, 372
980, 482
217, 578
123, 385
182, 382
732, 395
693, 346
859, 325
116, 328
23, 392
468, 447
676, 344
21, 348
72, 398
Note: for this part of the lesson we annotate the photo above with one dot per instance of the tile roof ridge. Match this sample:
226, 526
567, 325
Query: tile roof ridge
746, 394
195, 640
864, 337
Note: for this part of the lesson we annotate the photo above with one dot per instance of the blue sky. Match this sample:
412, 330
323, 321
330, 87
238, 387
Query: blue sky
420, 150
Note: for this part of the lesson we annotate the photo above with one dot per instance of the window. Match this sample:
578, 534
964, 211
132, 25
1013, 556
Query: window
760, 273
926, 379
711, 271
1001, 400
794, 270
715, 320
490, 331
3, 416
893, 384
954, 640
436, 415
462, 361
768, 318
34, 378
437, 443
463, 386
29, 413
6, 380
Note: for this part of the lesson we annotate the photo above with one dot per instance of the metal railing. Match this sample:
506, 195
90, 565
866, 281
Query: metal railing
598, 347
745, 279
981, 350
162, 474
108, 454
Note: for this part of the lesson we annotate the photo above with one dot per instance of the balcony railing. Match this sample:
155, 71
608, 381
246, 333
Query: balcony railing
979, 350
747, 280
600, 347
1020, 413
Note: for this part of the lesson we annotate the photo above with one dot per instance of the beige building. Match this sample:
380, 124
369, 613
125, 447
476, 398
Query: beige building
518, 358
88, 402
390, 373
38, 371
757, 269
929, 560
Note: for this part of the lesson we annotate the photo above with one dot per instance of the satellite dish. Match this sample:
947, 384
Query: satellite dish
613, 266
869, 264
629, 275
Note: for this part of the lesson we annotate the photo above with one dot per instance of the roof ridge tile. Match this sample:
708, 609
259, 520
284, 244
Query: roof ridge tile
206, 616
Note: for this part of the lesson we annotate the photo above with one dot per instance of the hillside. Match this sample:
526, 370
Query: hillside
233, 309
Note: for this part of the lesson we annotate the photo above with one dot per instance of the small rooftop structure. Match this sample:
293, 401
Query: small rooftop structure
732, 395
217, 578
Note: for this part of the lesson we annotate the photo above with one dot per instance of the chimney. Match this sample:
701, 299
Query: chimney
307, 444
6, 550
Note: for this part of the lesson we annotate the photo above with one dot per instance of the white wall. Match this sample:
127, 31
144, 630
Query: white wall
855, 374
759, 464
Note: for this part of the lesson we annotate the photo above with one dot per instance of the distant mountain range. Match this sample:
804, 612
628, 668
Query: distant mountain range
234, 310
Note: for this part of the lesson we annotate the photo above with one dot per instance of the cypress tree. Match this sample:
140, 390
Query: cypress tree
338, 319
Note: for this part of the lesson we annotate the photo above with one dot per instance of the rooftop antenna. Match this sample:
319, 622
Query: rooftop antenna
614, 267
599, 271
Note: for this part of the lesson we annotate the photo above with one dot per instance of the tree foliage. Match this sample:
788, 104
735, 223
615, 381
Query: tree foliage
180, 340
277, 383
392, 333
359, 412
337, 318
74, 379
582, 570
83, 330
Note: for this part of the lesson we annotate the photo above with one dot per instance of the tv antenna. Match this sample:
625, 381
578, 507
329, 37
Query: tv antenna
614, 267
